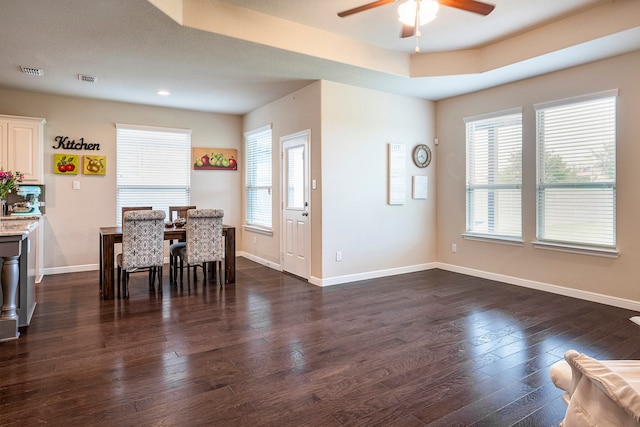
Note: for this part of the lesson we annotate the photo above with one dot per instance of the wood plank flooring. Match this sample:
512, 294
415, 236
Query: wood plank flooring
432, 348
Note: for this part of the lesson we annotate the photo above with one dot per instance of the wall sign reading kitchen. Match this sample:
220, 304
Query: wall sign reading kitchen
69, 164
65, 143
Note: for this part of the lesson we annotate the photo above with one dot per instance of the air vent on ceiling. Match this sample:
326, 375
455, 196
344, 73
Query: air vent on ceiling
32, 71
86, 78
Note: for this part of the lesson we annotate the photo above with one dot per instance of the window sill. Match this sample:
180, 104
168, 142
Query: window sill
494, 239
259, 230
575, 249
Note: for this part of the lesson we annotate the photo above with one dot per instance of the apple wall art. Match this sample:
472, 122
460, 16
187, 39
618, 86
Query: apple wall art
65, 164
214, 158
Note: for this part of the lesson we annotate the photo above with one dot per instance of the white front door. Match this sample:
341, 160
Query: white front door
295, 192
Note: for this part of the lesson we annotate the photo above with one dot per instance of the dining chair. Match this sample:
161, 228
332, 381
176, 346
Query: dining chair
142, 247
203, 244
179, 211
137, 208
176, 212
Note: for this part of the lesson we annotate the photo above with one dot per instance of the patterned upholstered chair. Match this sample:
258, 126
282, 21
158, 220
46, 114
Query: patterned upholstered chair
203, 243
142, 246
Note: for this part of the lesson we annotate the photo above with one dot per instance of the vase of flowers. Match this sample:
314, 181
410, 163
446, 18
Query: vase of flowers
8, 181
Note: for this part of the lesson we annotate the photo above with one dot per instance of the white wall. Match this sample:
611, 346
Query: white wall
585, 276
74, 216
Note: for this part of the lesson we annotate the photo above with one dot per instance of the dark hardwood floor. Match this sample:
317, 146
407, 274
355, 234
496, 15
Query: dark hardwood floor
430, 348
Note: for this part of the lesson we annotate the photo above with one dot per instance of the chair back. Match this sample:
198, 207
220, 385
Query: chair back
132, 208
142, 239
180, 212
204, 236
135, 208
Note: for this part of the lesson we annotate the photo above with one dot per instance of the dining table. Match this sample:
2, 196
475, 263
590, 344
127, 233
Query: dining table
110, 236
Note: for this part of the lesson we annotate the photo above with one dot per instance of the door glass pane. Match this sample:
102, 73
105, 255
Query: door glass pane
295, 177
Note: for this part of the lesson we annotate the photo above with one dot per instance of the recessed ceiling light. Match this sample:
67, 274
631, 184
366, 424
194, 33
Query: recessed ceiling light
164, 93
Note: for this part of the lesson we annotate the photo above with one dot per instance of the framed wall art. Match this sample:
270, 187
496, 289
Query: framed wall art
65, 164
214, 158
94, 165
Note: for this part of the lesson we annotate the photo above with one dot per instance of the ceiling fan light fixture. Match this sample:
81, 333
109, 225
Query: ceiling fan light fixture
425, 9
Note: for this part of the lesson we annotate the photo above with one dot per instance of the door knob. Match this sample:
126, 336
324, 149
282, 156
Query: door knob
305, 213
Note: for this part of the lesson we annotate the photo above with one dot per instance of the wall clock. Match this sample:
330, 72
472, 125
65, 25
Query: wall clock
421, 155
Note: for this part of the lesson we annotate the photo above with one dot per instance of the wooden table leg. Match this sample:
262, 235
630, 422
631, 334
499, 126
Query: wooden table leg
107, 243
230, 256
101, 266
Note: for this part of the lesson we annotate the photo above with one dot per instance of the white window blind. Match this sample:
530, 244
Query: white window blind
258, 178
153, 167
576, 191
494, 174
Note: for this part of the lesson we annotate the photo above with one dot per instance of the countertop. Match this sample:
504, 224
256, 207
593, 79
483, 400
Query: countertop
19, 217
18, 226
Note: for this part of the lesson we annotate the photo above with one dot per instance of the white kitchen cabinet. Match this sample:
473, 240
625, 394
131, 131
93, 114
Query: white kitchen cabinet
22, 147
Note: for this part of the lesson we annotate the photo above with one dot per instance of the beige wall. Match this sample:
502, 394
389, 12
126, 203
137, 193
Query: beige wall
74, 216
296, 112
375, 238
350, 129
579, 275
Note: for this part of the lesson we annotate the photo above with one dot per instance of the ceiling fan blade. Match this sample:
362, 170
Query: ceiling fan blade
469, 5
407, 31
365, 7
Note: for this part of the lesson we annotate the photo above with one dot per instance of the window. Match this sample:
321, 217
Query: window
494, 175
258, 178
153, 167
576, 191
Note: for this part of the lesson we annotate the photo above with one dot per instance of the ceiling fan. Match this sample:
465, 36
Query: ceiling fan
414, 13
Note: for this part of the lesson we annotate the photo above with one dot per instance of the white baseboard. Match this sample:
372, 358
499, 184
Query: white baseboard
259, 260
337, 280
79, 268
70, 269
546, 287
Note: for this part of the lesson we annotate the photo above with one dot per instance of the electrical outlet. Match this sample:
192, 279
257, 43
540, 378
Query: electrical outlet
454, 248
339, 256
255, 240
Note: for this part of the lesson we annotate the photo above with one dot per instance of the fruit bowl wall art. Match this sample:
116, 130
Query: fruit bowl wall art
214, 158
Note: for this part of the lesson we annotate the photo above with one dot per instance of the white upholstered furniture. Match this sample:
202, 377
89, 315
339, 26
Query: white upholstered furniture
598, 392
